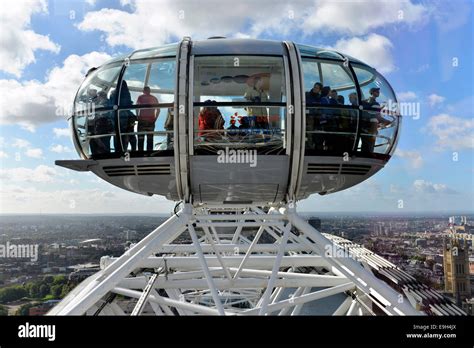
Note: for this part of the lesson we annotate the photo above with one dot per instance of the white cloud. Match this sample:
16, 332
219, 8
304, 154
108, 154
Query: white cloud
421, 68
406, 96
422, 186
434, 99
61, 132
34, 153
414, 157
358, 17
396, 189
32, 103
58, 148
453, 133
40, 174
149, 25
16, 198
20, 143
3, 154
17, 40
374, 50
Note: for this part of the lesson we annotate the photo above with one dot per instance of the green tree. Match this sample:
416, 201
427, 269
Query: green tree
12, 293
56, 290
3, 311
60, 279
48, 279
43, 290
34, 290
65, 290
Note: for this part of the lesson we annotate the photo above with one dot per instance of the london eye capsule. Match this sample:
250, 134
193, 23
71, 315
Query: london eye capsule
234, 121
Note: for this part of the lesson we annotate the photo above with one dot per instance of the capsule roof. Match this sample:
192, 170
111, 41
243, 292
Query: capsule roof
224, 46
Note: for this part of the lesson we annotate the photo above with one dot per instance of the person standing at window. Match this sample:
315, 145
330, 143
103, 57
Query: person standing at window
146, 119
371, 120
313, 97
127, 118
256, 94
210, 122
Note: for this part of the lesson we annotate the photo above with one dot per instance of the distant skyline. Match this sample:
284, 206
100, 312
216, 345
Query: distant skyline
423, 48
430, 214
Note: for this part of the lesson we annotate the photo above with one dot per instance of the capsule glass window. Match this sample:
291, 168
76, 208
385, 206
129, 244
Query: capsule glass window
331, 108
146, 107
97, 91
240, 102
158, 75
379, 120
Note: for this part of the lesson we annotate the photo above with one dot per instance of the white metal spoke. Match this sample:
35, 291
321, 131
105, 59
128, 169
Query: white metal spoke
276, 266
205, 268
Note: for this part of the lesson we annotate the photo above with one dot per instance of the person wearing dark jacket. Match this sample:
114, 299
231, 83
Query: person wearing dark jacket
127, 118
314, 95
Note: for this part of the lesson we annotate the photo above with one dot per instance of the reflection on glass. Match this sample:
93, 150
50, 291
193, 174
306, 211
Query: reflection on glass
97, 91
239, 79
379, 120
139, 133
157, 75
218, 127
252, 84
330, 130
96, 133
377, 132
328, 84
162, 51
376, 92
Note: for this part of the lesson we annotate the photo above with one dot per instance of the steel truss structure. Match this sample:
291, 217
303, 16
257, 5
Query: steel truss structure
234, 261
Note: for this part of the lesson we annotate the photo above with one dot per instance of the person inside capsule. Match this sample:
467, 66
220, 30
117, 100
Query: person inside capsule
313, 97
146, 119
169, 127
127, 118
210, 123
101, 126
372, 121
258, 116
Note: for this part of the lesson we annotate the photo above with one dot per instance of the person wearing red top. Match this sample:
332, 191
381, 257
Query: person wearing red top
210, 118
146, 119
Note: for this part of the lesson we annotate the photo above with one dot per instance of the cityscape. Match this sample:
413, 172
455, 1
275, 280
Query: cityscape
70, 249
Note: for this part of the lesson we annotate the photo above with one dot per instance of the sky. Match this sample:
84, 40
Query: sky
423, 48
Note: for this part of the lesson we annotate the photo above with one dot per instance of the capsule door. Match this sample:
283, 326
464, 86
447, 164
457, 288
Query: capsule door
238, 129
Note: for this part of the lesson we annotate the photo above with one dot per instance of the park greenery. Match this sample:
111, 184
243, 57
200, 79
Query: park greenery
34, 292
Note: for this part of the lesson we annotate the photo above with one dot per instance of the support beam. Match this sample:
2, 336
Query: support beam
241, 283
168, 302
353, 270
249, 251
104, 281
144, 297
303, 299
276, 267
255, 262
205, 268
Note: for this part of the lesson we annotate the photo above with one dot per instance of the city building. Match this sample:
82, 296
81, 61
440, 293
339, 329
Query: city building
459, 224
42, 308
456, 268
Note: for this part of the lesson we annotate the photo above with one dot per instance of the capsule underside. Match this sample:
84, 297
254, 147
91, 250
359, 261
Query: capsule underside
234, 121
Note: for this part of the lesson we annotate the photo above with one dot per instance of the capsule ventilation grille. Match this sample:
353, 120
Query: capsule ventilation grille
144, 169
335, 168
